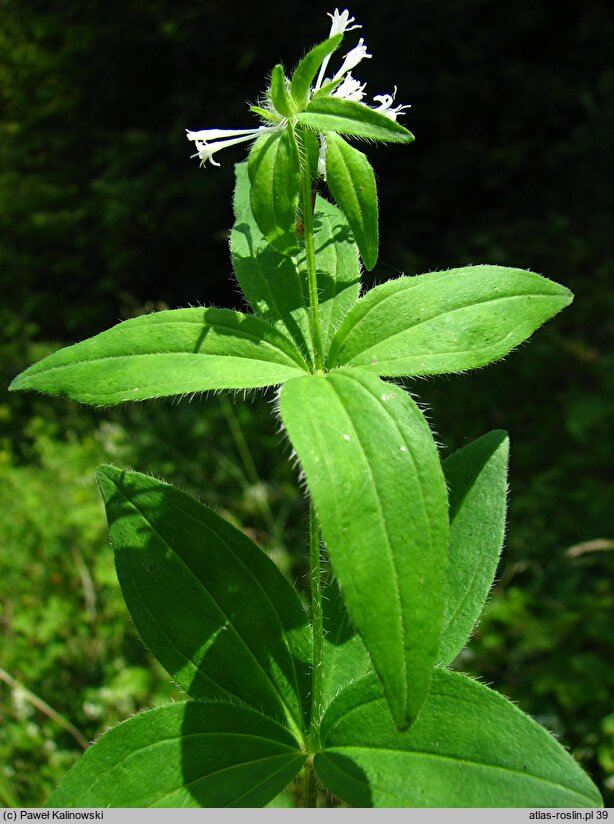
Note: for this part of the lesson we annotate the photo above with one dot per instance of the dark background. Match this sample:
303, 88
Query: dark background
103, 214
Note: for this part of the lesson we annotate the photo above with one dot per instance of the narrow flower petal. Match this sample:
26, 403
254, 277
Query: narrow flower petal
322, 158
350, 89
205, 149
386, 108
216, 134
341, 23
353, 58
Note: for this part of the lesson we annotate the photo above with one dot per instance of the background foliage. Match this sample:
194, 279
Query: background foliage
102, 216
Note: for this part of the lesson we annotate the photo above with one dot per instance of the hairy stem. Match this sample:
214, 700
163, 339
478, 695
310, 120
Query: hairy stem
311, 785
310, 255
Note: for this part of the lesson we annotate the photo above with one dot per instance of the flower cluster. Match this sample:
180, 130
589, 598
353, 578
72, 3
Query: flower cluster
342, 85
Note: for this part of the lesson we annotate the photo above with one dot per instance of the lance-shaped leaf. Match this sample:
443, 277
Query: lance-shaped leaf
174, 352
306, 70
333, 114
351, 180
274, 173
345, 657
338, 269
190, 754
276, 284
470, 747
477, 482
373, 471
280, 92
209, 604
272, 282
310, 151
445, 321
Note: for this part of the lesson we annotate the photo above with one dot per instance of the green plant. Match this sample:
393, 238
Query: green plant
361, 696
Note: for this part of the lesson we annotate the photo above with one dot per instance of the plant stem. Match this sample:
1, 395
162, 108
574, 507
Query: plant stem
317, 624
310, 798
310, 256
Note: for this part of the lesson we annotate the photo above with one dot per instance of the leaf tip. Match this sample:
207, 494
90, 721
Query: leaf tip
107, 478
17, 383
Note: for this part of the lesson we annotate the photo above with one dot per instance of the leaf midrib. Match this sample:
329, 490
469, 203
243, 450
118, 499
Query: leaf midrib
259, 666
469, 762
387, 537
282, 629
410, 327
183, 737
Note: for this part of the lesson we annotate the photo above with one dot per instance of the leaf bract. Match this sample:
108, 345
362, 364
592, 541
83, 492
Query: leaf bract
352, 182
334, 114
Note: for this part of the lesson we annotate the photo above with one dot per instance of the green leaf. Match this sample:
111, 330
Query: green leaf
345, 657
269, 115
351, 180
276, 284
311, 150
272, 282
470, 747
306, 70
208, 603
333, 114
374, 475
477, 480
275, 177
337, 265
280, 93
190, 754
174, 352
445, 321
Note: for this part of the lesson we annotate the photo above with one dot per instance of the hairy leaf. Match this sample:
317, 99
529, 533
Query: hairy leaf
470, 747
274, 173
190, 754
306, 70
272, 282
477, 480
333, 114
174, 352
446, 321
351, 180
276, 284
374, 475
209, 604
337, 266
311, 150
280, 93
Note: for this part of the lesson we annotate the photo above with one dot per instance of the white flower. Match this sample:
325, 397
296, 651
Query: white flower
322, 158
341, 24
352, 59
210, 141
350, 89
385, 107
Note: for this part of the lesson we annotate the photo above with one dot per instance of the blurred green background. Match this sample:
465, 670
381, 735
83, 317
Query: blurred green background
103, 215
